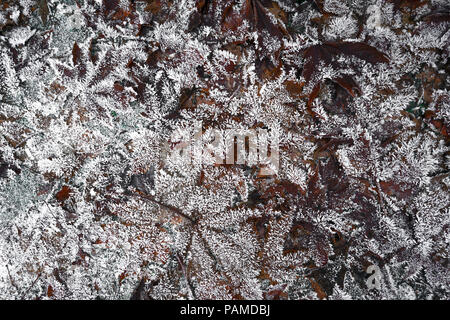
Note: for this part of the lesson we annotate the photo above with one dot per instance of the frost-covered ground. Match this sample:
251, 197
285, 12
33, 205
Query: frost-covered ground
92, 94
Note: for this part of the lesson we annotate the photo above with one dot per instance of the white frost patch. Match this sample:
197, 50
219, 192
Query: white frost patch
20, 36
342, 28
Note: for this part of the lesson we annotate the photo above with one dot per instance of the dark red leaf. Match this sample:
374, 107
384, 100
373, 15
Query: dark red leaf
63, 194
361, 50
50, 291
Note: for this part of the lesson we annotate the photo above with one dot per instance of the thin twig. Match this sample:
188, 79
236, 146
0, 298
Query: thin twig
167, 206
11, 279
32, 285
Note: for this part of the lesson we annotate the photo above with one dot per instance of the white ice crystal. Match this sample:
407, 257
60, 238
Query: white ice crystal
95, 104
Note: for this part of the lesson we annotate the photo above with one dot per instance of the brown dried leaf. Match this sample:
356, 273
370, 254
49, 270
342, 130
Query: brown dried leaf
63, 194
43, 10
76, 54
326, 51
50, 291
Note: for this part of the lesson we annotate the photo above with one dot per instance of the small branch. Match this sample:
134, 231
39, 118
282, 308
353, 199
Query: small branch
32, 285
11, 279
167, 206
183, 269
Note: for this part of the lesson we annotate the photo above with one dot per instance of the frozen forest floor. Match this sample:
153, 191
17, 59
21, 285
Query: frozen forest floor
98, 97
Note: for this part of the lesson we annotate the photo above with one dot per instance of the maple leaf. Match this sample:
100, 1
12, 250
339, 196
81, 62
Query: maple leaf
326, 52
259, 14
255, 12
